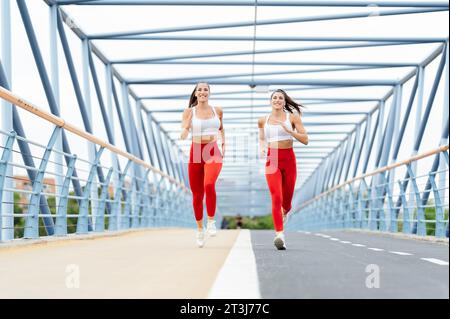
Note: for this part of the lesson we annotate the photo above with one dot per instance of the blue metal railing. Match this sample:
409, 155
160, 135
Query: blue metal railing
377, 202
136, 196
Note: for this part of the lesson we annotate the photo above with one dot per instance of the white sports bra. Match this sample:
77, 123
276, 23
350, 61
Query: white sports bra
202, 127
276, 132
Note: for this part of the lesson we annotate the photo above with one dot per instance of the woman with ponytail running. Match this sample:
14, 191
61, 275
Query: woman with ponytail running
205, 160
276, 138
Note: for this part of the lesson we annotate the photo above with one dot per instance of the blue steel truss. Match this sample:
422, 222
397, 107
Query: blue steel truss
341, 182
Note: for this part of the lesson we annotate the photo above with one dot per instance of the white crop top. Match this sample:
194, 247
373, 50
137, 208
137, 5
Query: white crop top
276, 132
202, 127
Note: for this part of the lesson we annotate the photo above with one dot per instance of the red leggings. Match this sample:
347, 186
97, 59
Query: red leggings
281, 174
205, 164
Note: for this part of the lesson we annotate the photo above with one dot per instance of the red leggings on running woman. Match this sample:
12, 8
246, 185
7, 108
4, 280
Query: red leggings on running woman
281, 174
205, 164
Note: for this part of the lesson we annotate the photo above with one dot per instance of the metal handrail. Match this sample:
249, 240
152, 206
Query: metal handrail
19, 102
440, 149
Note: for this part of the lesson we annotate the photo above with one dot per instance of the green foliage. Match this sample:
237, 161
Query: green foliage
256, 222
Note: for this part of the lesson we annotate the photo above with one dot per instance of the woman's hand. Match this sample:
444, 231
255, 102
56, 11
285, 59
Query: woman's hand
223, 149
186, 123
262, 149
287, 129
263, 153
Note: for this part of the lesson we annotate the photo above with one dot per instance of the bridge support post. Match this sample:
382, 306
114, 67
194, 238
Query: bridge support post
406, 211
100, 218
116, 215
6, 123
6, 157
61, 215
83, 215
32, 220
421, 225
439, 213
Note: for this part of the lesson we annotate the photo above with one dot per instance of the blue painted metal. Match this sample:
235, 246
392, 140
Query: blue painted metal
407, 218
432, 96
440, 219
424, 119
126, 138
359, 148
160, 151
239, 53
275, 38
372, 141
6, 118
6, 157
32, 219
77, 89
406, 118
101, 103
100, 218
116, 216
270, 22
147, 140
54, 71
336, 207
261, 3
83, 215
208, 78
420, 225
45, 82
357, 134
61, 214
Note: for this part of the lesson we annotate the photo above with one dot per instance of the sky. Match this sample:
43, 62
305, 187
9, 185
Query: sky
104, 20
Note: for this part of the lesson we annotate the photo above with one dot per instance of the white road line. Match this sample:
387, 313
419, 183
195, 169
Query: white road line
334, 239
358, 245
376, 249
307, 233
346, 242
436, 261
400, 253
238, 277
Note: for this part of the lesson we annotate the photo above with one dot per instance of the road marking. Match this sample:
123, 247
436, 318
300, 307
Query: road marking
400, 253
358, 245
346, 242
238, 277
307, 233
376, 249
334, 239
436, 261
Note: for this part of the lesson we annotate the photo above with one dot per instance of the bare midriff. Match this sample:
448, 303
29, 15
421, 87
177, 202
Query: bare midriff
281, 144
204, 139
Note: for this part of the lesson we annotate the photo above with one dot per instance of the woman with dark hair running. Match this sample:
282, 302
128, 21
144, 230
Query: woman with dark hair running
205, 160
276, 138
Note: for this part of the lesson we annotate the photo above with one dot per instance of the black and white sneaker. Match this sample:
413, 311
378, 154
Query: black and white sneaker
280, 242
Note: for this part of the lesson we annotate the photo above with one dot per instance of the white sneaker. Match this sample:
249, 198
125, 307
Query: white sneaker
280, 242
211, 228
200, 237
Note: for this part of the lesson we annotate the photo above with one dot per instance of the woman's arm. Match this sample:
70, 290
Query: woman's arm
221, 129
186, 123
299, 133
262, 138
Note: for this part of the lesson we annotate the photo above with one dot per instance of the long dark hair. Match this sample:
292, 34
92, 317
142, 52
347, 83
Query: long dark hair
290, 105
193, 99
